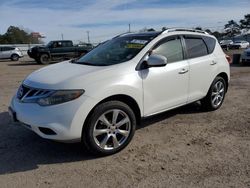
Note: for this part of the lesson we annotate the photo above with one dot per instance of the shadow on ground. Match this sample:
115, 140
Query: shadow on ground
23, 63
22, 150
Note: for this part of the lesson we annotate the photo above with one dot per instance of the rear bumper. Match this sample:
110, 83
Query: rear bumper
245, 60
245, 57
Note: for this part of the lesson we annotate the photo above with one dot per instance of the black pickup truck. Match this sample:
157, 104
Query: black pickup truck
57, 51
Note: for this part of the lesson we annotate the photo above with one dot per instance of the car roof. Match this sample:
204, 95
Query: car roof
61, 41
170, 30
146, 34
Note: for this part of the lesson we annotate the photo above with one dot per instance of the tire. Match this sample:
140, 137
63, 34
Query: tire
44, 59
215, 95
14, 57
38, 61
102, 135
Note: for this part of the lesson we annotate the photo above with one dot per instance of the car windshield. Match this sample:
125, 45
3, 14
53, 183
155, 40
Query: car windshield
116, 51
49, 44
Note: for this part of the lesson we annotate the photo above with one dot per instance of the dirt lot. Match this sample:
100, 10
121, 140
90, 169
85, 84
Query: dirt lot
181, 148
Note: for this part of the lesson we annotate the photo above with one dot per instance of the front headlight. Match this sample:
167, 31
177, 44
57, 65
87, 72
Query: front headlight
59, 97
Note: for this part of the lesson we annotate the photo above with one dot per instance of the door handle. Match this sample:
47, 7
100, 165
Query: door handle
213, 63
183, 71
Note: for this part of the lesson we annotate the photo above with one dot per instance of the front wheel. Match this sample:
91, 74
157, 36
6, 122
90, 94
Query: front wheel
215, 95
44, 59
15, 57
110, 128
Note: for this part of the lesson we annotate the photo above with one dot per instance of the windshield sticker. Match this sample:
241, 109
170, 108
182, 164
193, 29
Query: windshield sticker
137, 41
137, 46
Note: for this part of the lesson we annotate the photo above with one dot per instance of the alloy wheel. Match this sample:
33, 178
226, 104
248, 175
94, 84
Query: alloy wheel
112, 129
218, 93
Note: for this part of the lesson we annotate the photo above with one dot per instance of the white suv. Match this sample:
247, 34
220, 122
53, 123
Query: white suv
12, 53
101, 97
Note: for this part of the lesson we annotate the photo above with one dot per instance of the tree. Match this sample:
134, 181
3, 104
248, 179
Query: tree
245, 23
147, 30
232, 28
198, 28
15, 35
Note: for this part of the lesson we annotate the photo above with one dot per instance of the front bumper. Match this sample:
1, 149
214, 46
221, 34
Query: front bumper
31, 55
65, 120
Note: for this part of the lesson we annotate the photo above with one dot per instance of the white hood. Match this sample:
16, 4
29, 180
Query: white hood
68, 75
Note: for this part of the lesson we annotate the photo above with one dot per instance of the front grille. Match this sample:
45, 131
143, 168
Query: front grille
29, 94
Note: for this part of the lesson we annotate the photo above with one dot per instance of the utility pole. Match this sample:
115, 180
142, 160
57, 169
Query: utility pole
129, 29
88, 36
62, 36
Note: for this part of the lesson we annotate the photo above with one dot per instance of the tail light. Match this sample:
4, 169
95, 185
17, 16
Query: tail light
229, 59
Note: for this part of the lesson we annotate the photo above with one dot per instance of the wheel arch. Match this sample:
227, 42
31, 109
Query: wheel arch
131, 102
225, 77
15, 54
47, 53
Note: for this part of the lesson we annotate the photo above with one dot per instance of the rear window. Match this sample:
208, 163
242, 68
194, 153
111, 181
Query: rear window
196, 47
210, 42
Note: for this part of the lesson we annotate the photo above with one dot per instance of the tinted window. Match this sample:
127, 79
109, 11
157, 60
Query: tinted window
67, 44
196, 47
59, 44
171, 49
7, 48
210, 42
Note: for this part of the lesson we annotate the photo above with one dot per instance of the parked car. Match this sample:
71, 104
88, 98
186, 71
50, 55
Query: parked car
245, 57
58, 51
239, 44
101, 97
225, 44
12, 53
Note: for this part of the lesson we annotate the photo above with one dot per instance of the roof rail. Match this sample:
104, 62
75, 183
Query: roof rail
184, 29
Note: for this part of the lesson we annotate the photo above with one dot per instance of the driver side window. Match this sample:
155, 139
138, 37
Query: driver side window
171, 49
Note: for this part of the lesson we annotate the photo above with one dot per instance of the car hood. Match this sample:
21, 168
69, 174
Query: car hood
68, 75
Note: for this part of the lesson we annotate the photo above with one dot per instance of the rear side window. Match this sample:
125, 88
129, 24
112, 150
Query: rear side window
210, 42
171, 49
7, 48
66, 44
196, 47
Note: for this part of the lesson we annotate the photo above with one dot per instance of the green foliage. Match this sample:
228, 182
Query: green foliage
232, 28
245, 23
15, 35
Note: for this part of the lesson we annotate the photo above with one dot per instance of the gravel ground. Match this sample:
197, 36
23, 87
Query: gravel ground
184, 147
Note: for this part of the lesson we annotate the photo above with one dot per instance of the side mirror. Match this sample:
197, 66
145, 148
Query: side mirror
156, 60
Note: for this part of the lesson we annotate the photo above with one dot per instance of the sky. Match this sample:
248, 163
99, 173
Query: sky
106, 18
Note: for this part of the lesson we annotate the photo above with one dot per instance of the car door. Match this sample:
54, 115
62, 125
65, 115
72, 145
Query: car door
56, 49
166, 87
202, 65
68, 49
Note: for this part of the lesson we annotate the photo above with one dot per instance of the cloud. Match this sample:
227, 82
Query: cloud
106, 18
